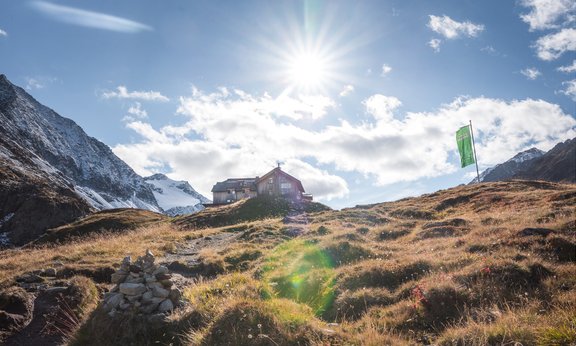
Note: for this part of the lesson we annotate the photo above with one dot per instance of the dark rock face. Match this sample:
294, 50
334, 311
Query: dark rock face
508, 169
87, 163
32, 200
52, 172
558, 164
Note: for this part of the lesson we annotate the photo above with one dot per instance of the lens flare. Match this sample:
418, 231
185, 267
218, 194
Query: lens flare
301, 271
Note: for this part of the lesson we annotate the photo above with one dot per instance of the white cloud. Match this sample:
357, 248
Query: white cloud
123, 93
347, 90
3, 33
80, 17
38, 82
381, 107
568, 68
451, 29
135, 112
548, 14
552, 46
318, 182
435, 44
33, 83
235, 134
531, 73
385, 70
570, 89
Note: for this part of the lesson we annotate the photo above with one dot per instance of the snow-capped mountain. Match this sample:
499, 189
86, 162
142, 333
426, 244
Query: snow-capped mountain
558, 165
508, 169
98, 175
52, 172
175, 197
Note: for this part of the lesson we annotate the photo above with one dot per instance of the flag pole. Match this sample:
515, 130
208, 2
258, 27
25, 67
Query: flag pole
475, 158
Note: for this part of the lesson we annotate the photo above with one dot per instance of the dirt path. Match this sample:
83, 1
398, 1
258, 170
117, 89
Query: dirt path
186, 259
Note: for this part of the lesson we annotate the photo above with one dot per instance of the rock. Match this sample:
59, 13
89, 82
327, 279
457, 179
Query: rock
114, 289
113, 301
30, 278
166, 283
163, 276
133, 299
149, 253
161, 270
118, 278
133, 280
149, 308
150, 269
160, 292
132, 289
124, 306
147, 296
49, 272
149, 278
175, 295
154, 301
166, 306
151, 285
56, 290
135, 269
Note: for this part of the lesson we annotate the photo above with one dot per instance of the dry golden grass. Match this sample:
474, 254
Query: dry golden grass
101, 250
455, 267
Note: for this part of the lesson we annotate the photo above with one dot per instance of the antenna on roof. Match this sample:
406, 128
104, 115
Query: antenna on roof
279, 163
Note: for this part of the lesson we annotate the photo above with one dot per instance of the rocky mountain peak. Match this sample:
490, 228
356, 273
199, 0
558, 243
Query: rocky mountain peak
7, 92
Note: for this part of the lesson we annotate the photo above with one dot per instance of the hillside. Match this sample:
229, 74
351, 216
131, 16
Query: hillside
491, 263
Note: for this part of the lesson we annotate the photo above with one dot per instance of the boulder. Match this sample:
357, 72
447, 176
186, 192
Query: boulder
118, 278
113, 301
160, 292
175, 295
166, 306
132, 289
161, 270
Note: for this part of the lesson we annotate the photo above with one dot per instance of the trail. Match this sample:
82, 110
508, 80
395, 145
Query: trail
186, 261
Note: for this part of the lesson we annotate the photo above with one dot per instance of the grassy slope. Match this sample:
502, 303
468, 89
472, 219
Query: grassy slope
111, 220
455, 267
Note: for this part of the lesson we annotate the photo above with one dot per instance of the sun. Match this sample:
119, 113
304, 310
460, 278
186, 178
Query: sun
308, 70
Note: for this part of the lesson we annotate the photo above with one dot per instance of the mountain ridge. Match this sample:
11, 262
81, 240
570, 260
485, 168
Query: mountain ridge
40, 147
556, 165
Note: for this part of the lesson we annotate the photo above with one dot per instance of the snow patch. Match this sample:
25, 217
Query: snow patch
175, 197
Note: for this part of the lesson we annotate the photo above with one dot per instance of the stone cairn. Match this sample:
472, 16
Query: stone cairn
142, 287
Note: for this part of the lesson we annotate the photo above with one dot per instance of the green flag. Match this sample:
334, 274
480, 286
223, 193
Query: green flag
464, 141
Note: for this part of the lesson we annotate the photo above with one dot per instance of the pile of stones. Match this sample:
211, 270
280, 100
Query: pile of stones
142, 287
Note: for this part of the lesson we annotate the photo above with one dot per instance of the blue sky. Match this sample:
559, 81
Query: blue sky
359, 99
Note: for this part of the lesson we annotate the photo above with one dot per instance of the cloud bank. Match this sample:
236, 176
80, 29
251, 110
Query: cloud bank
235, 134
